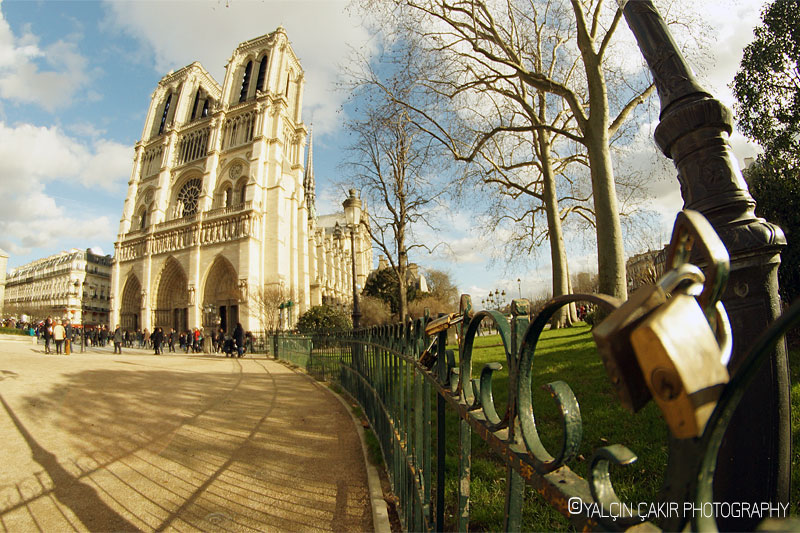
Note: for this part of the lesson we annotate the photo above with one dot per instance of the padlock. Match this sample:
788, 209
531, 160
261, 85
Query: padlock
683, 361
612, 335
428, 357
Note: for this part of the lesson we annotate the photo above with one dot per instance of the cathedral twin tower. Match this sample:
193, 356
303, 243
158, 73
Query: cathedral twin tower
220, 218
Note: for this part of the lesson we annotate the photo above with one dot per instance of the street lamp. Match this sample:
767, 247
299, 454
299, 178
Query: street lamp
352, 213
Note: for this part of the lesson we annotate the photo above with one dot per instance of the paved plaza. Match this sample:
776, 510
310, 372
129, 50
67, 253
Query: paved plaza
105, 442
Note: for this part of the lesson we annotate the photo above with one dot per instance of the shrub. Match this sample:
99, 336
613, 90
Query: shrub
323, 319
374, 312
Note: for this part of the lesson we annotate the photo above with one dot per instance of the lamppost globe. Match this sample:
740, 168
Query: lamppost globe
352, 208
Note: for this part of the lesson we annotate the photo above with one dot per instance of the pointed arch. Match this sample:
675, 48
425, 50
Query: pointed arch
167, 104
248, 71
131, 304
261, 80
221, 294
172, 297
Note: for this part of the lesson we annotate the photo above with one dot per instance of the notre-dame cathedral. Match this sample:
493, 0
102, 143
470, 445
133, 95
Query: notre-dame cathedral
220, 209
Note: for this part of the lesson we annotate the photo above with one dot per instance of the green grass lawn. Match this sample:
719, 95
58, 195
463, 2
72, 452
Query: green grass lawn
570, 355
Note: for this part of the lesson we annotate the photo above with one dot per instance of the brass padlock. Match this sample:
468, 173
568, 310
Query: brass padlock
612, 335
683, 361
428, 357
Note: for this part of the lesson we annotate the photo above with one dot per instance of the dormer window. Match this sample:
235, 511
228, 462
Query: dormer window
248, 70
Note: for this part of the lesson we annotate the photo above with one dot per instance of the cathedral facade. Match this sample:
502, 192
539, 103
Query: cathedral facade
219, 224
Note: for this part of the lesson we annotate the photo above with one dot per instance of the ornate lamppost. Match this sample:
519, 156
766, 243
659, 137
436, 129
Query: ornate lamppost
693, 131
352, 213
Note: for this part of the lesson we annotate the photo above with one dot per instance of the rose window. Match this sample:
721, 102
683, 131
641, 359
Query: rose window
188, 198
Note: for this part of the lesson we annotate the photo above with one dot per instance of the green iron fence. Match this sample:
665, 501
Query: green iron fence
405, 402
406, 381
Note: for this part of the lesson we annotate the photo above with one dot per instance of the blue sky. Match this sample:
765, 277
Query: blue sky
76, 80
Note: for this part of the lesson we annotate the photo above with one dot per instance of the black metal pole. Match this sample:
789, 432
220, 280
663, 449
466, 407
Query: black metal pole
754, 462
356, 310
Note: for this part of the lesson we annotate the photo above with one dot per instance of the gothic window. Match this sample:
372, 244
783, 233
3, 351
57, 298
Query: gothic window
206, 104
228, 197
194, 105
288, 81
246, 81
262, 75
164, 115
188, 198
242, 193
143, 218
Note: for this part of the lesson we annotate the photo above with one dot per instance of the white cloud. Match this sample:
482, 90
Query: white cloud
31, 219
320, 33
44, 155
32, 159
49, 77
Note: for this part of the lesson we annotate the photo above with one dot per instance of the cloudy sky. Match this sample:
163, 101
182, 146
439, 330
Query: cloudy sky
76, 80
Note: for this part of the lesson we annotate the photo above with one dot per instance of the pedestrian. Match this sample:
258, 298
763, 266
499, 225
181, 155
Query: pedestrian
146, 338
221, 340
238, 339
157, 337
171, 340
59, 334
118, 338
47, 333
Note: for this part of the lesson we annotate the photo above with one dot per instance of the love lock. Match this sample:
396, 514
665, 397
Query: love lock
684, 345
613, 335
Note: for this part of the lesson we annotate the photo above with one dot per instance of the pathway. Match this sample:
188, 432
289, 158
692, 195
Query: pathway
104, 442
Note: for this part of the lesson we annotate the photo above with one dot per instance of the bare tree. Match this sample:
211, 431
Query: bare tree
546, 60
395, 164
265, 301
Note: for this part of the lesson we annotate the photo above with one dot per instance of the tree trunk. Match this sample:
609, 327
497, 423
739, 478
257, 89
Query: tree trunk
610, 251
558, 253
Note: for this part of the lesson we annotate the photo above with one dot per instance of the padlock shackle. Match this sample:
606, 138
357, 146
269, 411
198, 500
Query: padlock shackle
692, 231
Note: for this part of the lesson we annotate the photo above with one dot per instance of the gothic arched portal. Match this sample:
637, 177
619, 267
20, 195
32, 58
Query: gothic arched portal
172, 298
222, 292
131, 304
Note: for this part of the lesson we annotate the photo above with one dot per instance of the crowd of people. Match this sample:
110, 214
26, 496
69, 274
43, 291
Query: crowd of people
55, 331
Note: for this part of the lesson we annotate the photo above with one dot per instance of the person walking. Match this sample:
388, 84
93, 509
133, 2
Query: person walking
238, 339
118, 338
47, 333
171, 339
59, 334
157, 337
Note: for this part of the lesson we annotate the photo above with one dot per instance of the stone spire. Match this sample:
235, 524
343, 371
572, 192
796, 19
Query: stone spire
308, 181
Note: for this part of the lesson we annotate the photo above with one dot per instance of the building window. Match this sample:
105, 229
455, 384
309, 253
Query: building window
143, 219
188, 198
194, 105
248, 70
228, 197
205, 107
164, 114
262, 75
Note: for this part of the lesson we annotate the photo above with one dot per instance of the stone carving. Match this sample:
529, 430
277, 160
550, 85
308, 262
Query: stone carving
235, 171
